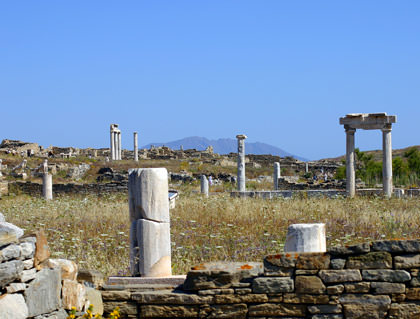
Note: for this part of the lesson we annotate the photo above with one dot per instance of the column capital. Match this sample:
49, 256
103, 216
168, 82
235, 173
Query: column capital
241, 137
387, 128
349, 129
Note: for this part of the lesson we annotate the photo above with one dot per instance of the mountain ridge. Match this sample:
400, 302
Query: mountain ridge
225, 146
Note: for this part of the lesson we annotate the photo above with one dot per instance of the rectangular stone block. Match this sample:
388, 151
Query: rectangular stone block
337, 276
168, 311
309, 285
325, 309
349, 250
313, 261
272, 285
413, 293
9, 271
397, 246
276, 310
386, 275
237, 311
305, 298
373, 260
407, 261
382, 288
357, 287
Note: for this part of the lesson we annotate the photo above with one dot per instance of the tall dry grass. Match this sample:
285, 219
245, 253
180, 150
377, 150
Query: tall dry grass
93, 231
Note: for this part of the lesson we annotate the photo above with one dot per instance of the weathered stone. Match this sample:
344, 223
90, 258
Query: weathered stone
68, 268
227, 311
59, 314
93, 278
304, 272
13, 306
305, 299
93, 297
116, 295
335, 290
10, 252
272, 285
243, 291
313, 261
9, 271
407, 261
220, 274
168, 297
398, 298
27, 275
349, 250
413, 293
327, 316
397, 246
269, 309
365, 306
287, 260
305, 238
74, 295
380, 288
357, 287
212, 292
249, 298
27, 249
404, 311
15, 287
386, 275
373, 260
168, 311
42, 250
154, 244
9, 233
309, 285
333, 276
323, 309
126, 308
43, 293
28, 263
337, 263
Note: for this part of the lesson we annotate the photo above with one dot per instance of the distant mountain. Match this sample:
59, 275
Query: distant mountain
225, 146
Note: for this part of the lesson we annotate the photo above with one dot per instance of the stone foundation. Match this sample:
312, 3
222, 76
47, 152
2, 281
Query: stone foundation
371, 280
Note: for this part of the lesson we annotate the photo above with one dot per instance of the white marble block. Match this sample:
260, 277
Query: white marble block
204, 185
306, 238
154, 240
148, 194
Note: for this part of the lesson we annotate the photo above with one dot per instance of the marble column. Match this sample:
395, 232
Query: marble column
350, 169
119, 146
241, 162
112, 149
115, 154
150, 243
204, 185
387, 161
306, 168
136, 148
47, 186
276, 175
1, 167
306, 238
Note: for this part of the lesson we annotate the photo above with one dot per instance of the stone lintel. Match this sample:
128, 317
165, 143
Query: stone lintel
368, 121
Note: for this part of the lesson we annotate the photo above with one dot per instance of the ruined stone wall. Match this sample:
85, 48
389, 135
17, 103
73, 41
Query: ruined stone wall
370, 280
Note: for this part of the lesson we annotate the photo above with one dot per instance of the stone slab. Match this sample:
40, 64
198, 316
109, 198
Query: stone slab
169, 281
13, 306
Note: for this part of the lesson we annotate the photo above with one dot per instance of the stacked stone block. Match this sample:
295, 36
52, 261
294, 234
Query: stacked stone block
369, 280
32, 285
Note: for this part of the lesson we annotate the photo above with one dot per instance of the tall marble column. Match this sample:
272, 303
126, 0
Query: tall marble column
47, 186
387, 160
119, 146
112, 144
241, 162
350, 170
136, 148
115, 155
276, 175
204, 183
1, 167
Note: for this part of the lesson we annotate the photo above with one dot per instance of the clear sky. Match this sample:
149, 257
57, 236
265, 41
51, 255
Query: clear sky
281, 72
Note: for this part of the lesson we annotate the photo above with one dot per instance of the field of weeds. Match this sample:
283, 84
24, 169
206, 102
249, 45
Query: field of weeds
93, 231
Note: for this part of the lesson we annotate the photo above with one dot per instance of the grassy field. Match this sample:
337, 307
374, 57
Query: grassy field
93, 231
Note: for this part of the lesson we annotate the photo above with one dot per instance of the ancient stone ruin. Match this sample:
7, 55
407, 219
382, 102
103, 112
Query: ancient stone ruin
115, 145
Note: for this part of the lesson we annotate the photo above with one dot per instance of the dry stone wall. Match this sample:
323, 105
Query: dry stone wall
370, 280
32, 285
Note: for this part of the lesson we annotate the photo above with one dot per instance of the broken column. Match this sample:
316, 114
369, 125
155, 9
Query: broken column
1, 168
387, 160
276, 175
47, 186
305, 238
241, 162
150, 244
136, 148
204, 185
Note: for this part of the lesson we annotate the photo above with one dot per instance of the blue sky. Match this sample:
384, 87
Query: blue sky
281, 72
